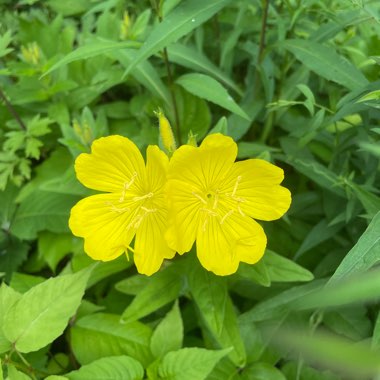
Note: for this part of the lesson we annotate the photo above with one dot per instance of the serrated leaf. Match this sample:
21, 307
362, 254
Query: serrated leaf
112, 368
5, 40
187, 16
100, 335
326, 62
208, 88
168, 335
189, 363
49, 306
163, 287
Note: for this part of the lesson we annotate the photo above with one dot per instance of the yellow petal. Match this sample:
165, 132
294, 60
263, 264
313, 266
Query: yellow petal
157, 164
103, 222
222, 244
204, 167
256, 182
215, 251
114, 162
183, 220
150, 246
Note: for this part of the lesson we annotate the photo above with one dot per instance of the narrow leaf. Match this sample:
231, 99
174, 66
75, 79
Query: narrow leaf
187, 16
208, 88
326, 62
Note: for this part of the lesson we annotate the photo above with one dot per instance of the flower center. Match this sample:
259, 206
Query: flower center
219, 204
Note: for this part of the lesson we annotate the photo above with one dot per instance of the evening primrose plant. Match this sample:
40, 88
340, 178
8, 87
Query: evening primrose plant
201, 195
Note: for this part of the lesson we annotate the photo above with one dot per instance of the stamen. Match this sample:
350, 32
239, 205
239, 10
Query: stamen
210, 212
216, 199
205, 224
126, 186
199, 197
149, 195
226, 216
148, 210
240, 210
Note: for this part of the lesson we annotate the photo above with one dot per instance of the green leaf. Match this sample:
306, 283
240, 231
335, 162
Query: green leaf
189, 363
49, 306
144, 73
262, 371
42, 210
53, 247
5, 40
14, 374
281, 269
278, 306
217, 311
92, 49
193, 59
326, 62
99, 335
168, 335
8, 297
163, 287
112, 368
364, 254
187, 16
208, 88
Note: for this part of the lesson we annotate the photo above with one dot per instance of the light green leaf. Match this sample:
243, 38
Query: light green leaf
8, 297
193, 59
92, 49
168, 335
112, 368
187, 16
49, 306
326, 62
5, 40
164, 287
14, 374
211, 297
281, 269
189, 363
262, 371
364, 254
99, 335
208, 88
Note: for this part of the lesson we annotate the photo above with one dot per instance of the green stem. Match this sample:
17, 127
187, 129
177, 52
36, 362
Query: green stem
157, 7
12, 110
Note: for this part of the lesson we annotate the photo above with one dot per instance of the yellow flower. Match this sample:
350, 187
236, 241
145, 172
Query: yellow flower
135, 203
213, 200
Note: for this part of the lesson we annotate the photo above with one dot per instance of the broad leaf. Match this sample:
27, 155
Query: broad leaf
49, 306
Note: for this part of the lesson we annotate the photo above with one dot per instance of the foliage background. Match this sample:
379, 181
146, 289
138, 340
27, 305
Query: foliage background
294, 82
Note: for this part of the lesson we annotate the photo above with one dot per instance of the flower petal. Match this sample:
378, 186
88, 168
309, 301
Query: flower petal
102, 221
114, 162
257, 183
157, 164
215, 251
205, 166
183, 216
221, 245
150, 246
